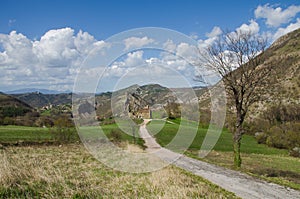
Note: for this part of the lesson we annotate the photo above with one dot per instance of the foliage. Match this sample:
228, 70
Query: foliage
63, 130
11, 111
115, 135
44, 121
278, 114
173, 110
279, 127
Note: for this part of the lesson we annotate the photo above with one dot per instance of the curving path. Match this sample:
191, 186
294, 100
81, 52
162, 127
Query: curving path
241, 184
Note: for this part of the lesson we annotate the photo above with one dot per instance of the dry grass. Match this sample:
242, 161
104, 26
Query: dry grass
281, 169
71, 172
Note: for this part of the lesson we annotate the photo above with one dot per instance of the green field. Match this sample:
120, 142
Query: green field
24, 133
169, 130
271, 164
259, 160
69, 171
12, 133
113, 133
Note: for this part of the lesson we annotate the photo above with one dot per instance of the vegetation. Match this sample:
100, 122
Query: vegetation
169, 131
114, 134
260, 160
69, 171
234, 57
9, 134
278, 127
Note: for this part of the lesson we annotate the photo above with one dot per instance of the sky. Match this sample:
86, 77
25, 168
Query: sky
43, 43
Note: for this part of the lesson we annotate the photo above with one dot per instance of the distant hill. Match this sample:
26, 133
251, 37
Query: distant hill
12, 107
34, 90
37, 99
8, 100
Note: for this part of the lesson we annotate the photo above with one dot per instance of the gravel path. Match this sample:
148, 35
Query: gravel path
241, 184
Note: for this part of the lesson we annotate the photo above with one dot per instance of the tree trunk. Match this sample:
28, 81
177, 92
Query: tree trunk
237, 137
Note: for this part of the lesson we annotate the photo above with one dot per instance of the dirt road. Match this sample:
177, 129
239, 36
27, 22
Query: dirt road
242, 185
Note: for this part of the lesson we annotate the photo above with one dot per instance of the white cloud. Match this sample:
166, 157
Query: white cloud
17, 50
194, 35
276, 16
289, 28
56, 48
216, 31
137, 42
134, 59
253, 27
185, 50
52, 59
169, 45
212, 36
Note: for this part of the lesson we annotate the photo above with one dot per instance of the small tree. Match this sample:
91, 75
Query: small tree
238, 58
63, 130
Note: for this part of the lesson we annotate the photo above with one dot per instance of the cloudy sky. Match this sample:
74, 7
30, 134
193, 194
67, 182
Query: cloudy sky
43, 44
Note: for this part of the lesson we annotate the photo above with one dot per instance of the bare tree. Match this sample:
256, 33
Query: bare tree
238, 57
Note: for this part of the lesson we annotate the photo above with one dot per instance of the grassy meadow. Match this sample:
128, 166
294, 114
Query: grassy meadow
69, 171
271, 164
12, 133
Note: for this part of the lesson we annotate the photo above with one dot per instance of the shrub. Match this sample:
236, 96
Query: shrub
261, 137
115, 135
63, 130
64, 134
285, 136
8, 121
295, 152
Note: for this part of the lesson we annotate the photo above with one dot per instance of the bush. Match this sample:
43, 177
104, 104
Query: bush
8, 121
44, 121
282, 113
115, 135
261, 137
63, 130
11, 111
295, 152
259, 125
285, 136
64, 134
276, 138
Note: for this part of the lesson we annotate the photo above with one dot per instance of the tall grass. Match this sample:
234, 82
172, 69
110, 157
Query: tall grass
70, 172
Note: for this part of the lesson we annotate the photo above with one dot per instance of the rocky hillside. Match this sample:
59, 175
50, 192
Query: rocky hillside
284, 55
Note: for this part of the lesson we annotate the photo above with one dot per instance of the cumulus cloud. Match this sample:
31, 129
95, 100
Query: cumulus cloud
169, 45
216, 31
137, 42
212, 36
282, 31
56, 48
120, 67
185, 50
135, 59
52, 59
17, 50
253, 27
276, 16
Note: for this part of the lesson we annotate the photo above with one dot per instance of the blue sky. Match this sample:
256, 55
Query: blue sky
104, 18
26, 59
